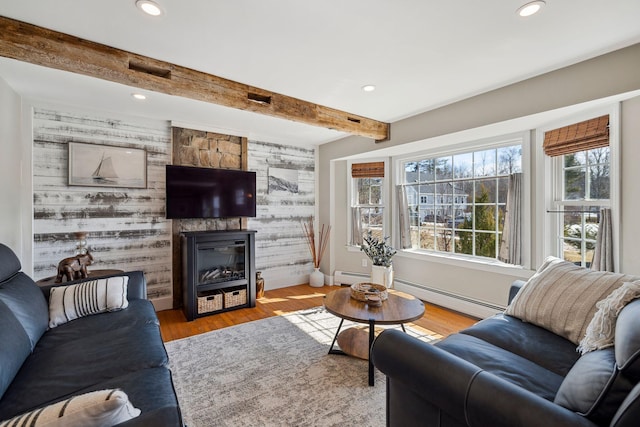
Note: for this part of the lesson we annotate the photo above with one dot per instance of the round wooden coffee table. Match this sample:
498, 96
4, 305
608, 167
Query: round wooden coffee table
399, 308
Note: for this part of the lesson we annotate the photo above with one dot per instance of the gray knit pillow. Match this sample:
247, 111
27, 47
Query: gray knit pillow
561, 297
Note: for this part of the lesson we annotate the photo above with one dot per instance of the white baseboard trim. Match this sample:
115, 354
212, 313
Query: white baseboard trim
272, 286
348, 278
475, 308
164, 303
271, 283
462, 304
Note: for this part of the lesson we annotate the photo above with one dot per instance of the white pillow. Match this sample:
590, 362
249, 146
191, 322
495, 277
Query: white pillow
601, 330
83, 299
102, 408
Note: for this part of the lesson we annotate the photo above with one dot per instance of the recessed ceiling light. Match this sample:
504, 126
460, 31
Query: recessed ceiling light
530, 8
149, 7
139, 96
368, 88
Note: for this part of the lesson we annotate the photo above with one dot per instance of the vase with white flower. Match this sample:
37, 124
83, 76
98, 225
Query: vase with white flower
380, 254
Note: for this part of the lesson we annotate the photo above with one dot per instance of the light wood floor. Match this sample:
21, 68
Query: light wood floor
173, 324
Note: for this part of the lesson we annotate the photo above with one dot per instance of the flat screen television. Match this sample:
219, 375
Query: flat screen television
194, 192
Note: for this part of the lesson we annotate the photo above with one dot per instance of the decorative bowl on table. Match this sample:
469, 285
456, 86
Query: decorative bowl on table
371, 293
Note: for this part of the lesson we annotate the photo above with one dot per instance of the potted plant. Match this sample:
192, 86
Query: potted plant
380, 254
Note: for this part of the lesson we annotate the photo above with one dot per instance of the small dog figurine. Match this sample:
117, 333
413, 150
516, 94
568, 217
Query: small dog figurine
74, 267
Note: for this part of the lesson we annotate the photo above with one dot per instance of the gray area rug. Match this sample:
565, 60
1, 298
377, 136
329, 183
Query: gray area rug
275, 372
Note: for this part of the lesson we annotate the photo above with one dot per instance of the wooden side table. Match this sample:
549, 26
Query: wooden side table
399, 308
92, 274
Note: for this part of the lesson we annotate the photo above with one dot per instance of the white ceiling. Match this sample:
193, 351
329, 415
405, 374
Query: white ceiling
421, 54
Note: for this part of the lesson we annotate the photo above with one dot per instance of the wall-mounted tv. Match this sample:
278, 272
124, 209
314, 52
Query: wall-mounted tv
194, 192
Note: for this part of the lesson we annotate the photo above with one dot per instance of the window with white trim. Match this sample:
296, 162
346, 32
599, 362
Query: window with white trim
581, 159
457, 200
367, 201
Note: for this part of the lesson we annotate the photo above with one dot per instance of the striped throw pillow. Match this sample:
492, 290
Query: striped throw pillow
99, 409
561, 297
71, 302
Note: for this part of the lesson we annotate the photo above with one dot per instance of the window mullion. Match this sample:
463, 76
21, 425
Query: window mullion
587, 178
583, 242
496, 212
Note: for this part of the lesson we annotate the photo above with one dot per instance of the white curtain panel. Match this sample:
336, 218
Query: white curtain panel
603, 256
356, 227
403, 217
511, 241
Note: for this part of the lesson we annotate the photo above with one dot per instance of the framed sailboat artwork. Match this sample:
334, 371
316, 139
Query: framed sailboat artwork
107, 166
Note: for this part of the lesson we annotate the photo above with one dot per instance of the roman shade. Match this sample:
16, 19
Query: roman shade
587, 135
367, 170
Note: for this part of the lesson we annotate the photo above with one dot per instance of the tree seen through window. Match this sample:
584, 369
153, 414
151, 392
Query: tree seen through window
457, 202
586, 180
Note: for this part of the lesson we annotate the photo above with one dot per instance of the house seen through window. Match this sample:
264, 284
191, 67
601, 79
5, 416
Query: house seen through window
457, 202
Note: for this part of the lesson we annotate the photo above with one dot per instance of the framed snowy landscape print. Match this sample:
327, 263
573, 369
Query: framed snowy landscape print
107, 166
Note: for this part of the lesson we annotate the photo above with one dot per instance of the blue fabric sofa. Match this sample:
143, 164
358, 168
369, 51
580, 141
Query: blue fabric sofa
115, 350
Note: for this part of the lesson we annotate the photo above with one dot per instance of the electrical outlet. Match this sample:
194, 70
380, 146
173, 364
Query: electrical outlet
364, 262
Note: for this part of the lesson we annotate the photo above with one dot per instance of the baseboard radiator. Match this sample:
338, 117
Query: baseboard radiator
347, 278
470, 306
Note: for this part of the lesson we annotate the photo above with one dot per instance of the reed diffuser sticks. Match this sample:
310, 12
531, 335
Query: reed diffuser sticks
309, 234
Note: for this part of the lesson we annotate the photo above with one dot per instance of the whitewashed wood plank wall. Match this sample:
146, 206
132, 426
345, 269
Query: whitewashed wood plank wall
282, 253
126, 227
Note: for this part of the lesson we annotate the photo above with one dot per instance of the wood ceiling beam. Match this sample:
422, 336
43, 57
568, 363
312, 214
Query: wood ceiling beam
41, 46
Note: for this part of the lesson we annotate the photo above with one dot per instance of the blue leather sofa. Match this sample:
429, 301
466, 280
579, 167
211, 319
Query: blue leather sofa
121, 349
506, 372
